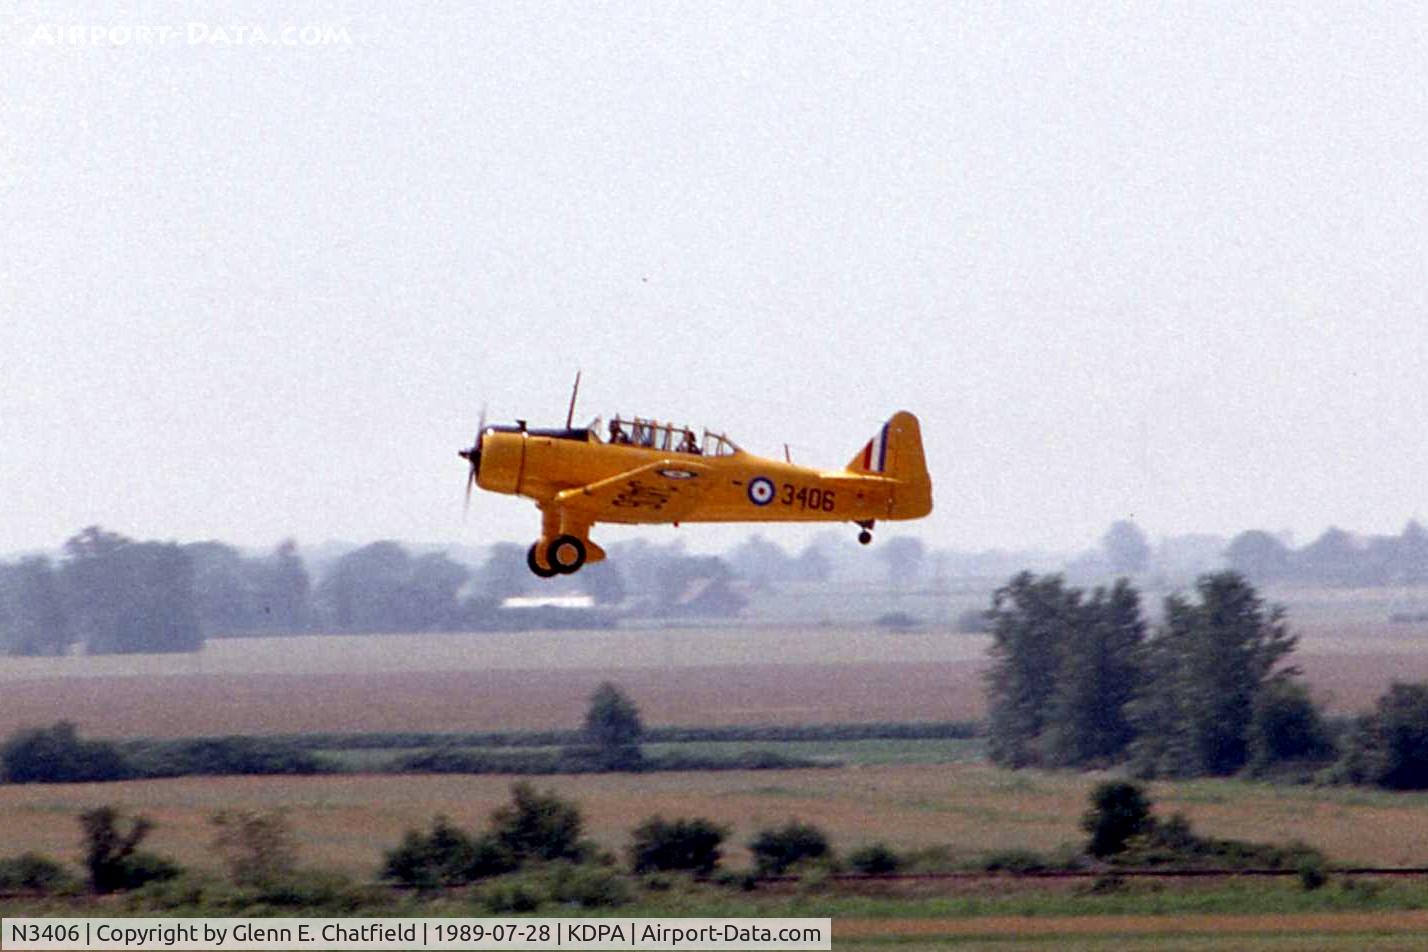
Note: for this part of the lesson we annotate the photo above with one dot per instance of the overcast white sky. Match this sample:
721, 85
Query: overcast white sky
1149, 260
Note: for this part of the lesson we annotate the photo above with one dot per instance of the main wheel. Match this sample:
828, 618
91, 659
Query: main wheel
535, 566
566, 554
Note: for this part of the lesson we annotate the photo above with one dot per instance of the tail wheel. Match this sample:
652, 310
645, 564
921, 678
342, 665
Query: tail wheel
566, 554
535, 566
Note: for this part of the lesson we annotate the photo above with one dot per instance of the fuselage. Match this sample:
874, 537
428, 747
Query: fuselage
737, 486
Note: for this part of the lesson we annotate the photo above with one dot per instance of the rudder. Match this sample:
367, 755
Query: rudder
895, 452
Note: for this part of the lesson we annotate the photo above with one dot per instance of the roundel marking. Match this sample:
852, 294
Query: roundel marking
761, 491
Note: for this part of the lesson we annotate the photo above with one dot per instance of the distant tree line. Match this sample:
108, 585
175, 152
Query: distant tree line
1081, 680
109, 594
1335, 558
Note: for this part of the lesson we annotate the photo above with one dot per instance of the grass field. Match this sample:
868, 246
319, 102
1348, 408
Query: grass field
344, 822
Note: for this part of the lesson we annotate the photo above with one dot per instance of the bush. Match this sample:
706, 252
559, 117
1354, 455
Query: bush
875, 859
511, 895
31, 871
1401, 722
447, 856
1119, 811
777, 850
588, 887
538, 826
682, 844
58, 755
314, 891
142, 867
1312, 874
258, 848
1015, 861
1285, 726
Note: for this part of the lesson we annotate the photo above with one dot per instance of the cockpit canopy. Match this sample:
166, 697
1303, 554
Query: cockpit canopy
666, 437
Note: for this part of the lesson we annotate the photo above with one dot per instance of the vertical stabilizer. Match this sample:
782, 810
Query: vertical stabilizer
895, 452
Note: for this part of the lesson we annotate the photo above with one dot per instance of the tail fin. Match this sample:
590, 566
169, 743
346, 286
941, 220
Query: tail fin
895, 451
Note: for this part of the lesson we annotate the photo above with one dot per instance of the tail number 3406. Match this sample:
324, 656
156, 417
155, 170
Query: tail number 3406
803, 497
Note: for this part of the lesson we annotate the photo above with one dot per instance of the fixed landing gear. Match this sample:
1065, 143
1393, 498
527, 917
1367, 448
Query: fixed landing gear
564, 555
535, 566
866, 535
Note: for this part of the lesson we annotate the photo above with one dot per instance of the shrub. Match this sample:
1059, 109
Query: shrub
538, 826
776, 850
687, 844
258, 848
1401, 722
511, 895
1014, 861
1286, 726
58, 755
1312, 874
1119, 811
142, 867
588, 887
874, 859
447, 856
35, 872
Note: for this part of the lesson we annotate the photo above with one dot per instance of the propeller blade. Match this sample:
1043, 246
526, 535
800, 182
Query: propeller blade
473, 456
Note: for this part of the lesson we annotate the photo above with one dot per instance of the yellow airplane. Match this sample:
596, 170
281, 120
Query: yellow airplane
646, 472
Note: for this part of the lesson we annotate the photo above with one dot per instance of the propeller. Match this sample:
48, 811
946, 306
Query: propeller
473, 456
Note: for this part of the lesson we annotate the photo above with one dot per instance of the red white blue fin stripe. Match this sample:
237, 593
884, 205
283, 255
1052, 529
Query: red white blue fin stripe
875, 454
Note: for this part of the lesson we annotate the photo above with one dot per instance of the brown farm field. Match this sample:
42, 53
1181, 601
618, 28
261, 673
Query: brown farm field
474, 682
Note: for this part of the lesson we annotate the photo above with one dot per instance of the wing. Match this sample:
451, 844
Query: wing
666, 491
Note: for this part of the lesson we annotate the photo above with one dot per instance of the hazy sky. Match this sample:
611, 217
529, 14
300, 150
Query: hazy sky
1160, 261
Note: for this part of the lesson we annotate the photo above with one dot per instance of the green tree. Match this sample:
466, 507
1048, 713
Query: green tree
1390, 748
1097, 679
446, 856
57, 754
1286, 726
1031, 620
1258, 556
904, 556
680, 844
776, 850
1332, 559
613, 728
258, 848
1204, 668
538, 826
284, 589
111, 855
33, 620
1126, 547
130, 597
1119, 811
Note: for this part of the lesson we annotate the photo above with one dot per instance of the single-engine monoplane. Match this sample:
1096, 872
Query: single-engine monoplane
644, 471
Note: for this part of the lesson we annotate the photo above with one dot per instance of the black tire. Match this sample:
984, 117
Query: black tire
865, 537
534, 566
566, 554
